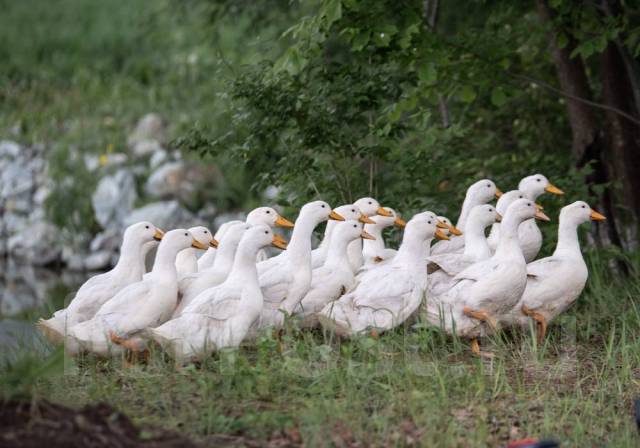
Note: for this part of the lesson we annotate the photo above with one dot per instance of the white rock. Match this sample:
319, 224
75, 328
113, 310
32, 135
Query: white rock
35, 243
98, 260
164, 214
149, 127
113, 199
9, 149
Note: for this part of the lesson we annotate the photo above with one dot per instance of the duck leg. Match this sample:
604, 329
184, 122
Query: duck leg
541, 322
481, 316
475, 348
134, 354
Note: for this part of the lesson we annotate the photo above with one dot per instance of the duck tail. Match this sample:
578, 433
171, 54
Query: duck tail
52, 329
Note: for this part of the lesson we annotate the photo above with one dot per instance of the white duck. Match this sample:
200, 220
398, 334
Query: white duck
374, 250
187, 261
479, 193
102, 287
389, 294
193, 284
286, 278
555, 282
207, 259
348, 212
331, 280
146, 303
369, 207
529, 234
220, 316
501, 206
489, 288
443, 268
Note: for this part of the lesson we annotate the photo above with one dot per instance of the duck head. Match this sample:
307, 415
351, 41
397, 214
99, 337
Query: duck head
483, 191
259, 236
352, 212
370, 207
317, 212
450, 228
351, 230
507, 199
484, 215
537, 184
392, 219
143, 232
425, 226
268, 216
523, 209
203, 236
579, 212
179, 239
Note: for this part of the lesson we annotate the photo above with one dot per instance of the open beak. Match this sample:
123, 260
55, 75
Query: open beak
366, 220
278, 241
336, 216
158, 235
283, 222
198, 245
213, 243
382, 212
440, 235
498, 217
367, 236
595, 216
399, 222
498, 193
541, 216
550, 188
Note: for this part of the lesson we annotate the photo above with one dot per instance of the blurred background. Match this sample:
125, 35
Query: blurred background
188, 112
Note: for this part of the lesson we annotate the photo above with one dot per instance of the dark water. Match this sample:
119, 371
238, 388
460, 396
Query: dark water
26, 294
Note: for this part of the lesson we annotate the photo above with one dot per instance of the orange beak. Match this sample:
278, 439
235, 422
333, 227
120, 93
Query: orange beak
595, 216
382, 212
440, 235
283, 222
367, 236
366, 220
550, 188
399, 222
541, 216
336, 216
278, 241
214, 243
498, 193
498, 217
158, 235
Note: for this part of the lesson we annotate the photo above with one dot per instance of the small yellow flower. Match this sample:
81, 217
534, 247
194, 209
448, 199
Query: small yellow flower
103, 159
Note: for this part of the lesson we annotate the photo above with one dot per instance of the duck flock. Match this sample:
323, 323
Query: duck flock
467, 283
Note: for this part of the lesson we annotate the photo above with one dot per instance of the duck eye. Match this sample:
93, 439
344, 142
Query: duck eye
584, 206
268, 211
355, 225
186, 234
539, 180
206, 231
353, 211
266, 232
488, 185
529, 204
370, 203
322, 205
146, 227
429, 222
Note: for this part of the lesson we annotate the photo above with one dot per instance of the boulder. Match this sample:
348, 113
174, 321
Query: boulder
168, 181
165, 214
9, 149
150, 127
35, 243
113, 199
97, 261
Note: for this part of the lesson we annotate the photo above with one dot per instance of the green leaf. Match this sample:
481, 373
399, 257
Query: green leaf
333, 11
562, 40
428, 73
468, 94
498, 97
361, 40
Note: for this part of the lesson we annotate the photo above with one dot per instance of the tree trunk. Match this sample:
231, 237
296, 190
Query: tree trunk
623, 141
588, 142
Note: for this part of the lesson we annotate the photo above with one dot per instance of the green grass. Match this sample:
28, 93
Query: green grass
410, 383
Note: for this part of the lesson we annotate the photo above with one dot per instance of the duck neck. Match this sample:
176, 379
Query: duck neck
568, 242
299, 247
475, 242
328, 232
508, 246
373, 246
467, 205
131, 256
244, 267
337, 255
164, 266
224, 256
413, 251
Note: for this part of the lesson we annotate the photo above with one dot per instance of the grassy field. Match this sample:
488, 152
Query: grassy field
410, 386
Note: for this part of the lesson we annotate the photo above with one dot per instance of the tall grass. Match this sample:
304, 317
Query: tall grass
411, 383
